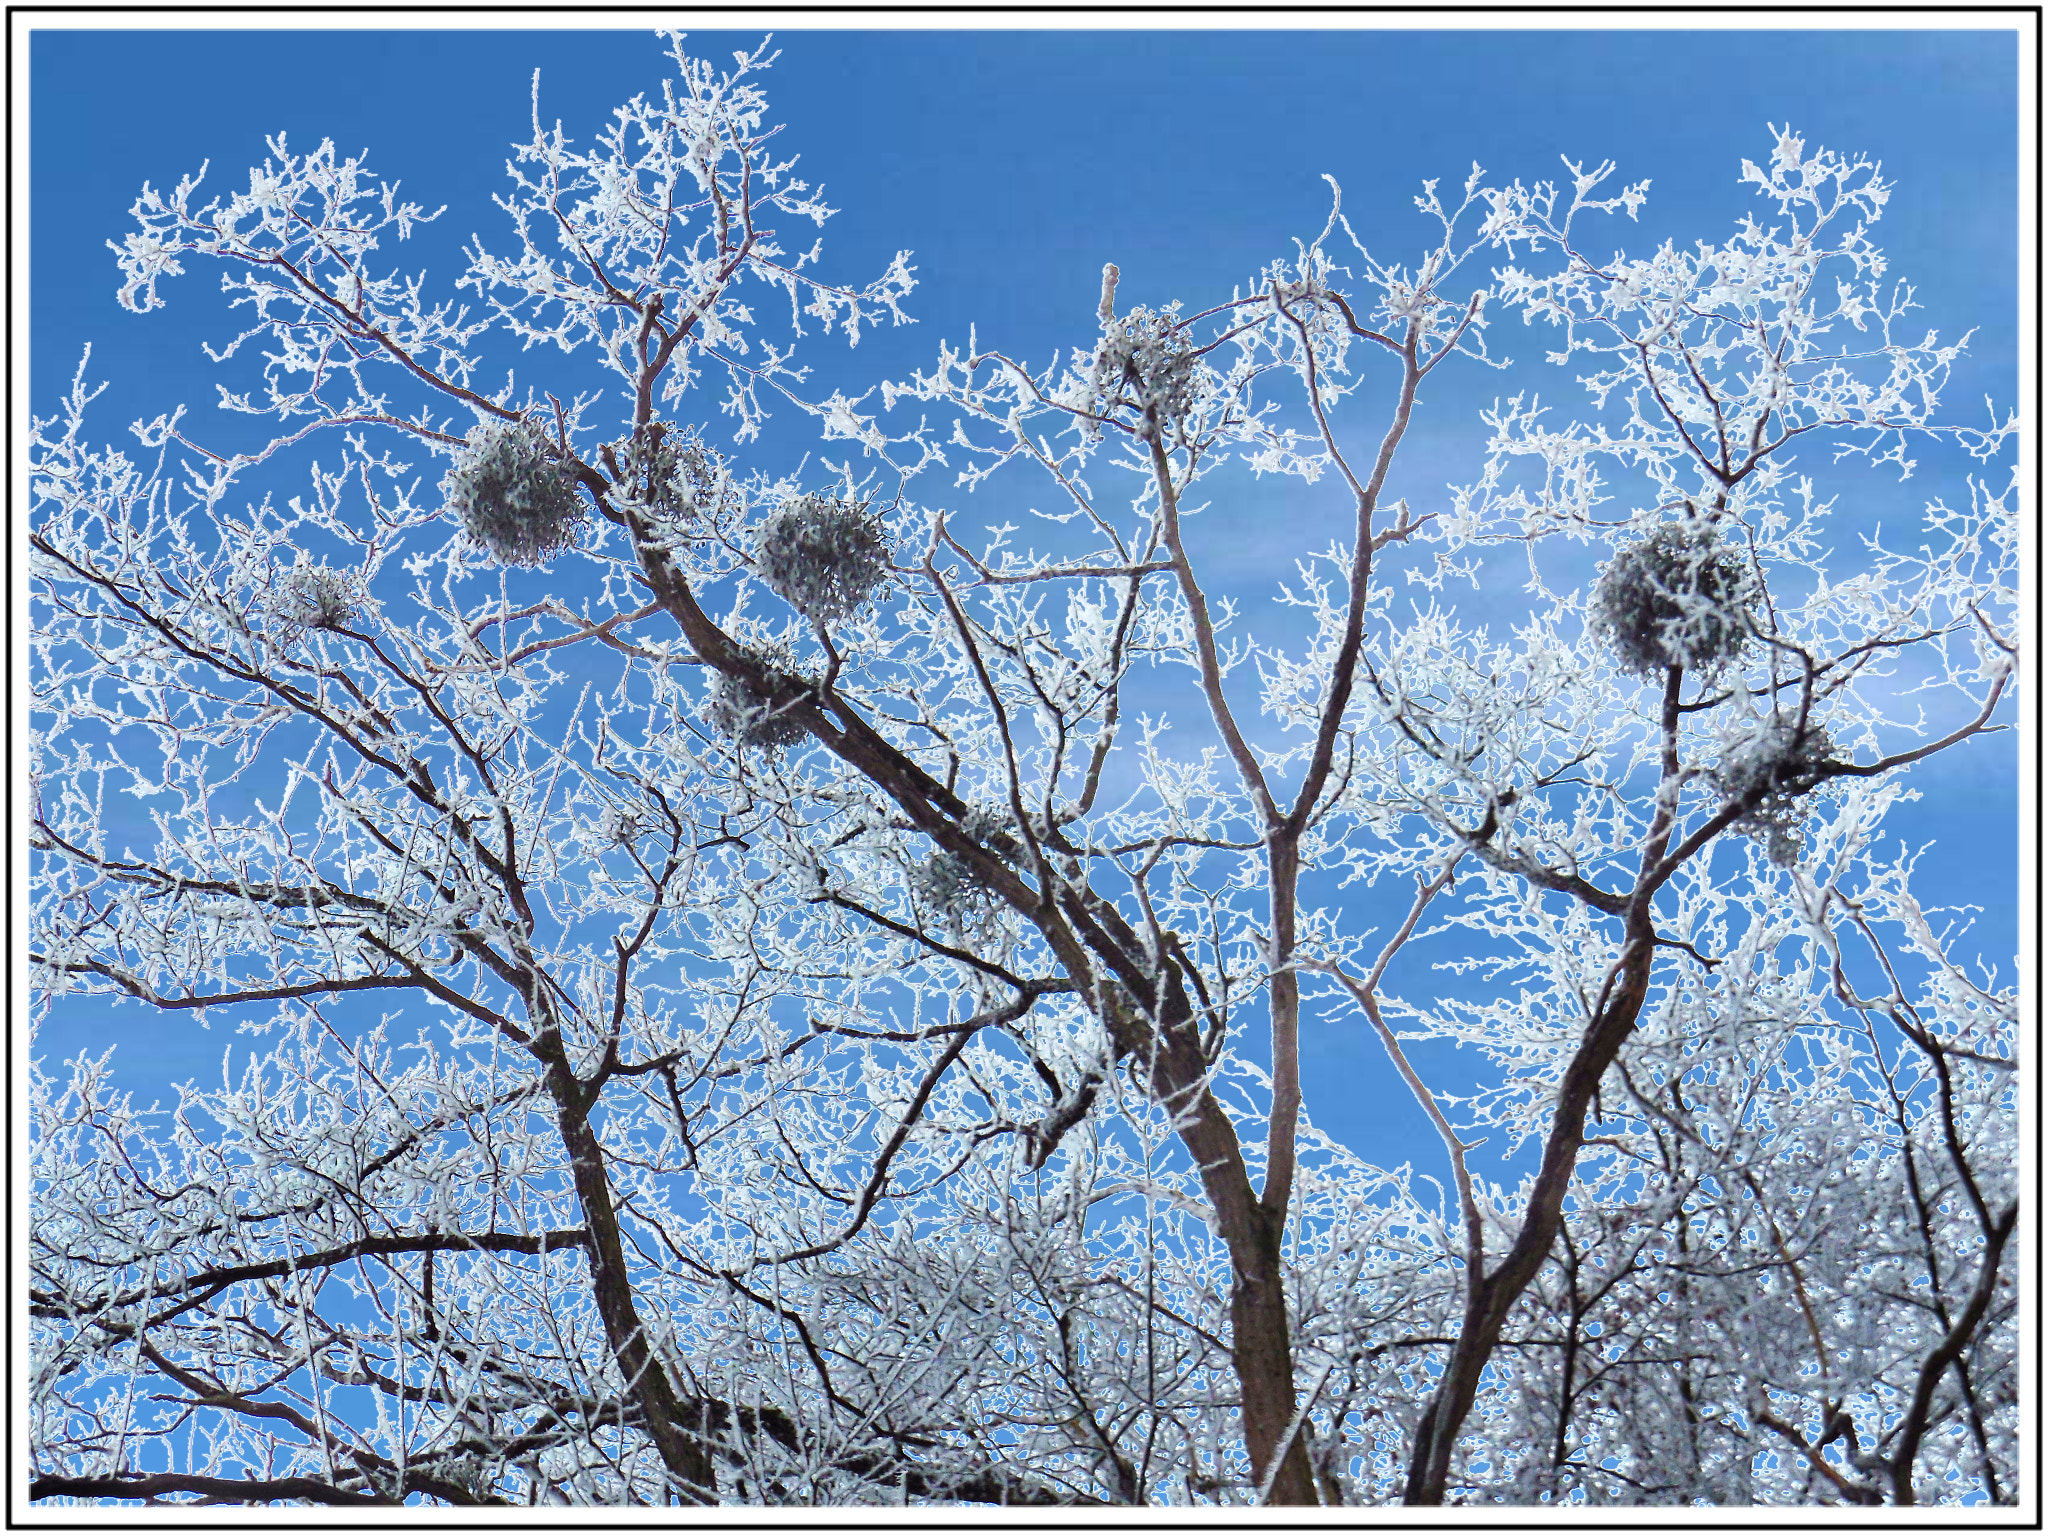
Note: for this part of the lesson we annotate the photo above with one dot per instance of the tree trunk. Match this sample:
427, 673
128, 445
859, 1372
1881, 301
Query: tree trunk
1263, 1355
646, 1384
1489, 1297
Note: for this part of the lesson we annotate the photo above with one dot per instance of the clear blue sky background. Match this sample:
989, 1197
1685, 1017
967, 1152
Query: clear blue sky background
1014, 165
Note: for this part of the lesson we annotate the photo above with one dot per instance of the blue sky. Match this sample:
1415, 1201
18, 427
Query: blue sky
1013, 165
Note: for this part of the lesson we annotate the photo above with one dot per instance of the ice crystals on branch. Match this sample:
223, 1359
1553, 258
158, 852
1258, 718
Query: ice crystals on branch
1677, 598
320, 211
648, 240
823, 555
512, 494
1818, 182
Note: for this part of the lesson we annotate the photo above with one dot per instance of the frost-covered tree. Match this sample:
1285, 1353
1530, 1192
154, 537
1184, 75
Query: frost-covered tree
766, 1011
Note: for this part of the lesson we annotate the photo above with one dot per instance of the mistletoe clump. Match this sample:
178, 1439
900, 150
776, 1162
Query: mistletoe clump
948, 883
823, 555
673, 481
1146, 359
317, 597
1677, 598
513, 495
736, 708
1771, 765
992, 829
